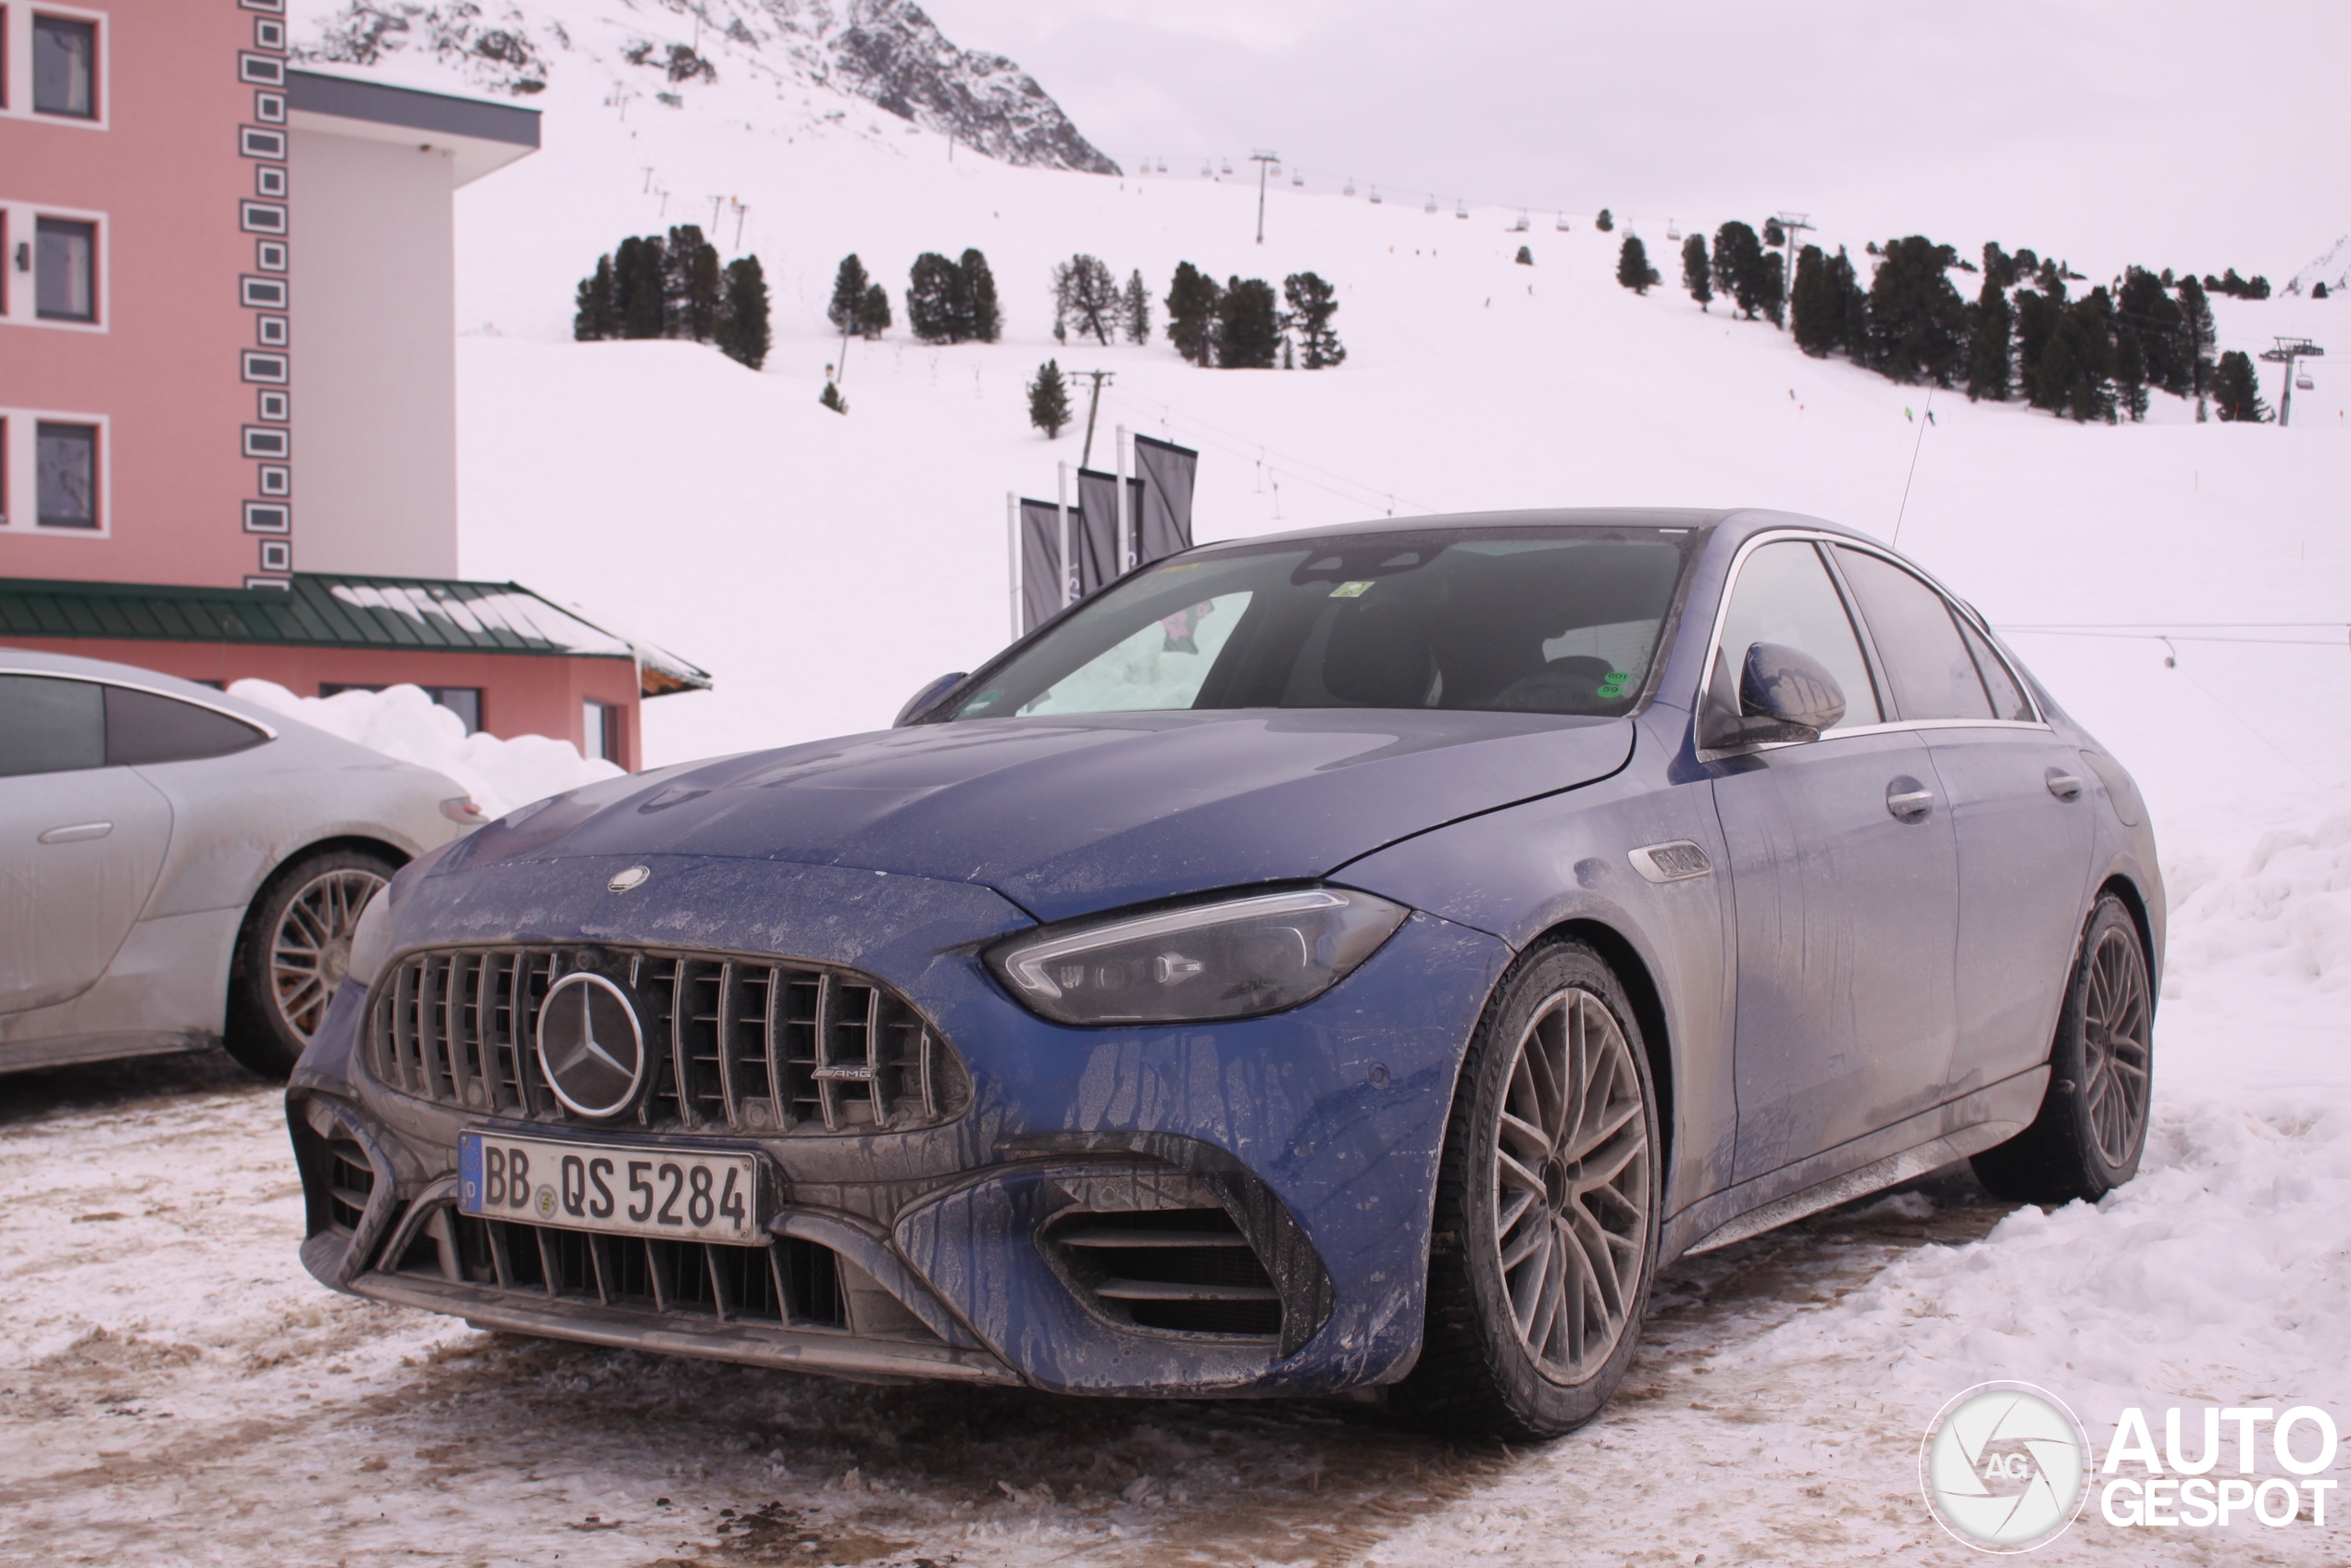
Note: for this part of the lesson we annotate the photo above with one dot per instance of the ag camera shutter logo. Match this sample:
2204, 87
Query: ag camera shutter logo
2003, 1467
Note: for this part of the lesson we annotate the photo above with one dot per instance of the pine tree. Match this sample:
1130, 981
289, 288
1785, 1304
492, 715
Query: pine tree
1249, 325
2319, 289
2036, 319
693, 281
1525, 256
1049, 399
847, 311
1774, 288
1697, 272
1086, 297
1191, 313
1987, 344
2237, 391
1774, 235
831, 397
1848, 283
594, 316
873, 312
2073, 371
1816, 311
2130, 373
1633, 268
2194, 348
1313, 303
2000, 267
1605, 222
2147, 318
931, 289
1918, 323
742, 318
1135, 309
1739, 272
982, 321
638, 269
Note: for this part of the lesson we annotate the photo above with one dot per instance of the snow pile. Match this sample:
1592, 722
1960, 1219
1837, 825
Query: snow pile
2283, 914
402, 722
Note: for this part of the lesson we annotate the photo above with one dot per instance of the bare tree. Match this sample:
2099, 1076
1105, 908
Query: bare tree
1087, 297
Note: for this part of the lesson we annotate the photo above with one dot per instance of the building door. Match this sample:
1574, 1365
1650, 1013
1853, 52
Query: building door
80, 843
1845, 880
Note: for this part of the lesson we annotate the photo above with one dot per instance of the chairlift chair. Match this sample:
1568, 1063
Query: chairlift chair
1460, 208
1562, 224
1296, 177
1207, 169
1227, 166
1673, 230
1520, 226
1431, 208
1375, 196
1350, 186
2303, 383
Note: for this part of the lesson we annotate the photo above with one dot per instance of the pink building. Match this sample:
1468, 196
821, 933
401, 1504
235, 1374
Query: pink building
228, 366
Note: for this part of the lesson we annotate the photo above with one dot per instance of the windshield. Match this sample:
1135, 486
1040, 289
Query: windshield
1558, 620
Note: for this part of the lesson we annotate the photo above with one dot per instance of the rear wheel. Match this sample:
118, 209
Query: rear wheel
2093, 1125
1545, 1222
292, 953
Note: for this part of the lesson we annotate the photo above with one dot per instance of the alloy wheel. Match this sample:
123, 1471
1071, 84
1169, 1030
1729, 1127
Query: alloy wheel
310, 951
1572, 1186
2115, 1022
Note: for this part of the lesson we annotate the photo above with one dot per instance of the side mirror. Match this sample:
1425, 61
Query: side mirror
1783, 694
928, 698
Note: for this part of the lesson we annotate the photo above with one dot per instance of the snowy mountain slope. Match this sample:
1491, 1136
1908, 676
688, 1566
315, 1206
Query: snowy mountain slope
2334, 269
887, 52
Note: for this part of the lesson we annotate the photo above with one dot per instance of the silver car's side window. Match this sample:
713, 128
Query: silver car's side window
50, 726
2008, 696
1784, 594
1927, 665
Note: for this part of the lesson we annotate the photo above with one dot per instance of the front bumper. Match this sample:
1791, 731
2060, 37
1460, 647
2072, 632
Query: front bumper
1269, 1180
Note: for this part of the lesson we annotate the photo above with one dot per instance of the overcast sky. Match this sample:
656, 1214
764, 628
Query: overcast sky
2154, 132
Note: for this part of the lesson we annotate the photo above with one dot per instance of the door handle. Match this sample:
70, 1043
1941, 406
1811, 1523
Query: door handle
1909, 800
2063, 785
77, 833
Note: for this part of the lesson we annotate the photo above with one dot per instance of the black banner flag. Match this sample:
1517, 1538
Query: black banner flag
1163, 521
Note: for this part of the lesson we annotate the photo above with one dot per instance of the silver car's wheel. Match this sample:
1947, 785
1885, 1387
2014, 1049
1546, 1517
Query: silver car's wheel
294, 951
310, 949
2093, 1124
1545, 1216
1572, 1186
2116, 1021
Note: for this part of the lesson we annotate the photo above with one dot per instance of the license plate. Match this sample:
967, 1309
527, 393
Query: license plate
612, 1189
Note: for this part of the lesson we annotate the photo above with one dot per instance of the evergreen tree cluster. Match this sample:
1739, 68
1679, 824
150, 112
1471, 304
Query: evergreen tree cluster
859, 305
952, 302
1244, 326
1633, 268
654, 286
1747, 269
2253, 288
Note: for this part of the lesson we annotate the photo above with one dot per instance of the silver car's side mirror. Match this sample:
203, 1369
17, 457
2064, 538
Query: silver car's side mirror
1783, 694
927, 699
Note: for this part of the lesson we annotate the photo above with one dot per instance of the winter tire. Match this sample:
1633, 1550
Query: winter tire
2093, 1125
1546, 1229
292, 953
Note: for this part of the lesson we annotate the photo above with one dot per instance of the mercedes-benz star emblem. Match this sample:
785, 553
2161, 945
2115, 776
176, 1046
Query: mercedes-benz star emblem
590, 1045
635, 877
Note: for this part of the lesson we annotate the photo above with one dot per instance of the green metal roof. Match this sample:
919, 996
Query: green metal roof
323, 610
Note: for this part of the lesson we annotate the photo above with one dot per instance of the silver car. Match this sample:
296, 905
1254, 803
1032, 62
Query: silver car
180, 868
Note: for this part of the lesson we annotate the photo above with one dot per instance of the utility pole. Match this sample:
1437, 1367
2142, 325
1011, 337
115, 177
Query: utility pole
1264, 160
1790, 224
1093, 402
2286, 353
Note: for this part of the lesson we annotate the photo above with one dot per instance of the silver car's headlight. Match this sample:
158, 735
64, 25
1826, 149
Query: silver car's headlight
371, 942
1228, 959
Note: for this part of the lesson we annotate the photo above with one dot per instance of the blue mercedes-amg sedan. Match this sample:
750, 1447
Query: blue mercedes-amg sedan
1349, 960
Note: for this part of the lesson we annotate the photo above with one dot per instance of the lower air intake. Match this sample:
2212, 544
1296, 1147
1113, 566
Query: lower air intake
1186, 1271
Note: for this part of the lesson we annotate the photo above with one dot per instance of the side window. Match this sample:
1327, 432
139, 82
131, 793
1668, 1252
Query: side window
1784, 594
144, 728
65, 276
1918, 641
64, 67
2007, 698
50, 726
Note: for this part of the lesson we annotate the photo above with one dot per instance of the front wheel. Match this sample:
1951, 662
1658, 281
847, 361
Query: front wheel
2093, 1125
292, 953
1547, 1210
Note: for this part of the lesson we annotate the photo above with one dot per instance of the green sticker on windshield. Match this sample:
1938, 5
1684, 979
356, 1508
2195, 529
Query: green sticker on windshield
1351, 591
1614, 687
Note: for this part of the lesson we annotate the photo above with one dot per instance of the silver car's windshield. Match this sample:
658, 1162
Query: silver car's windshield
1561, 620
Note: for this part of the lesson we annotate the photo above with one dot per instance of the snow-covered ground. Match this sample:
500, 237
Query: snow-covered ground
174, 1388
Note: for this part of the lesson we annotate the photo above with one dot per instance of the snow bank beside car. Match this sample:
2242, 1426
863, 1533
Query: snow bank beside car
402, 722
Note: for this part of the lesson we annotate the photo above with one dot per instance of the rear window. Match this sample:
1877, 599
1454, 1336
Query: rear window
1512, 620
142, 728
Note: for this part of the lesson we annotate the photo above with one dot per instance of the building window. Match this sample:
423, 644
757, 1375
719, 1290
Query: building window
270, 255
256, 143
600, 732
268, 516
268, 35
262, 293
277, 555
271, 331
261, 218
64, 67
275, 406
260, 442
276, 479
269, 180
269, 108
260, 365
66, 460
66, 269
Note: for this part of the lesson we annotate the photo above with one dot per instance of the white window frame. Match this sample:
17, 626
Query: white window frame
19, 429
15, 44
20, 291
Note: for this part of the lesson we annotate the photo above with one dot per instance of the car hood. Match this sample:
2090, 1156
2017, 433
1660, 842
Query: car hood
1067, 816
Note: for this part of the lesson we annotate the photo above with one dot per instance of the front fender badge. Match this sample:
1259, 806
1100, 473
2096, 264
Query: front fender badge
635, 877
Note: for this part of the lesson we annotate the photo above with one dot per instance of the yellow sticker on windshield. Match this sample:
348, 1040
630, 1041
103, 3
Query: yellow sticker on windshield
1351, 591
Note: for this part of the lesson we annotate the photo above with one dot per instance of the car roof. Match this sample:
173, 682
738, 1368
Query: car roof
31, 660
1735, 523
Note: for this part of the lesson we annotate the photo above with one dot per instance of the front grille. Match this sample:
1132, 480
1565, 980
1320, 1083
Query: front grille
787, 1284
350, 1180
737, 1044
1189, 1270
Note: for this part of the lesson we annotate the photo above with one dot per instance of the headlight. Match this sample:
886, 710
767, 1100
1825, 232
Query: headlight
371, 942
1228, 960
